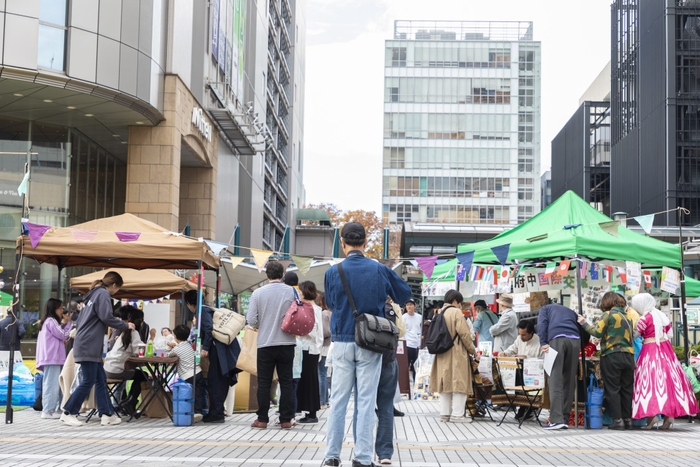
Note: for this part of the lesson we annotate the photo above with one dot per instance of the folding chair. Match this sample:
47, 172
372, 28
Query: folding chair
476, 404
519, 394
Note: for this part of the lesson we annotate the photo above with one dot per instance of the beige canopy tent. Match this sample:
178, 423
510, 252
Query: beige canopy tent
148, 284
143, 245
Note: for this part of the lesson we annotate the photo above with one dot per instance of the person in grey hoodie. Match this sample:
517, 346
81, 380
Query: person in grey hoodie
505, 330
92, 325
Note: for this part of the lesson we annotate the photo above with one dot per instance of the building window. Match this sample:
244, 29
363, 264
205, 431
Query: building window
52, 34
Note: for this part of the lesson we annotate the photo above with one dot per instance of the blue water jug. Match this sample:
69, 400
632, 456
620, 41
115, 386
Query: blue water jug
594, 406
183, 404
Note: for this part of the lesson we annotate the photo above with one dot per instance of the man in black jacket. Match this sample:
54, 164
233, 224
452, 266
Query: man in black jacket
6, 329
222, 361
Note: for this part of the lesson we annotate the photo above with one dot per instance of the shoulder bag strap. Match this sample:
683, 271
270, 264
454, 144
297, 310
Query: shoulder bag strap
489, 313
344, 280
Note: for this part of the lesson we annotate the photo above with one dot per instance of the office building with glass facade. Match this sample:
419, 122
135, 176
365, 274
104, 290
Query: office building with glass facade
157, 108
461, 123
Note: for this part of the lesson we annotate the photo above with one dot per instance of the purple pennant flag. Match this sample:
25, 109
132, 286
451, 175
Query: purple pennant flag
36, 232
465, 259
501, 252
427, 264
127, 236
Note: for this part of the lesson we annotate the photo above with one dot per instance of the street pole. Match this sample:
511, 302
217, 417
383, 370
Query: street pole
579, 293
683, 298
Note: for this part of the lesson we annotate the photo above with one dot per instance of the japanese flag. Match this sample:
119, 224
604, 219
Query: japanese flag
564, 267
505, 273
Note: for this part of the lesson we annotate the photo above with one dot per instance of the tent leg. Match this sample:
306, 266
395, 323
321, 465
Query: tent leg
59, 295
183, 307
198, 345
583, 345
218, 288
9, 413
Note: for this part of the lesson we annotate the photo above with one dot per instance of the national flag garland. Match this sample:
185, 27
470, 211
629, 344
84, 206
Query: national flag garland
564, 267
550, 269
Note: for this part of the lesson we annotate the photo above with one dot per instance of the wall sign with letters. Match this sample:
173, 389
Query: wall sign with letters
200, 122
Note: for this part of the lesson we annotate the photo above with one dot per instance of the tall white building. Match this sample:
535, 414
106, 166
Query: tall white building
461, 123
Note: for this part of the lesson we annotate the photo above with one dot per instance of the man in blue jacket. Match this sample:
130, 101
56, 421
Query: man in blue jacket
370, 282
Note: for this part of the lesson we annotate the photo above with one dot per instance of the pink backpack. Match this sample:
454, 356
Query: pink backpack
299, 319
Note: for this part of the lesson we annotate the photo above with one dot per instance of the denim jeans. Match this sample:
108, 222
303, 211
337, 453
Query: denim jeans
50, 389
359, 369
323, 381
386, 390
93, 374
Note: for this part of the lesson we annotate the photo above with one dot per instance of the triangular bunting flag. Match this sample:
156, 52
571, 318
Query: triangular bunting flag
235, 261
22, 188
285, 263
127, 236
564, 267
501, 252
83, 235
610, 227
465, 259
646, 222
303, 263
549, 269
216, 247
260, 257
36, 232
427, 264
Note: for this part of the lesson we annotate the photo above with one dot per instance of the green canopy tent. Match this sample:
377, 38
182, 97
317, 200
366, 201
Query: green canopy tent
692, 288
570, 228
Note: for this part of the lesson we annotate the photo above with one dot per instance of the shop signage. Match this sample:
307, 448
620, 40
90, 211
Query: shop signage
200, 122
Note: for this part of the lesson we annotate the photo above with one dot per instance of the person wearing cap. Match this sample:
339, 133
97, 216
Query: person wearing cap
485, 318
370, 282
414, 328
506, 330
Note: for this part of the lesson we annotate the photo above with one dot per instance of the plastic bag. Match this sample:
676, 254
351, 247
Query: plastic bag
690, 372
77, 379
638, 343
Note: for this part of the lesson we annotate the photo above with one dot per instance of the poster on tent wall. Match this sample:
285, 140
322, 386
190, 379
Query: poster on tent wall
437, 289
634, 278
521, 302
244, 302
591, 297
670, 280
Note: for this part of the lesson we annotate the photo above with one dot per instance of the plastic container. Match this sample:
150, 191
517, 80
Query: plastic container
594, 406
183, 404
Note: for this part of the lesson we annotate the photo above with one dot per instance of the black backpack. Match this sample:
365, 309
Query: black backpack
438, 338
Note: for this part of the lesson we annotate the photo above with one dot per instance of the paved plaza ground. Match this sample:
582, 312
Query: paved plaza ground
421, 441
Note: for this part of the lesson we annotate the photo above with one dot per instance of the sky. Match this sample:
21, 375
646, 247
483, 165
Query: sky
344, 93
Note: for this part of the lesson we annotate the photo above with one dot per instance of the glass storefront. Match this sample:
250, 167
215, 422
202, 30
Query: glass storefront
73, 180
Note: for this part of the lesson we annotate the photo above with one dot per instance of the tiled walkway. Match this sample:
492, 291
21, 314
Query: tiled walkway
421, 441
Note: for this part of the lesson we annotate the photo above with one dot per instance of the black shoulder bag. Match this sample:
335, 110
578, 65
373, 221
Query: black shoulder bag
371, 332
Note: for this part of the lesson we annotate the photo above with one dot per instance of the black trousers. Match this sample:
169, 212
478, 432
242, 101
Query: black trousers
280, 357
217, 384
412, 357
617, 370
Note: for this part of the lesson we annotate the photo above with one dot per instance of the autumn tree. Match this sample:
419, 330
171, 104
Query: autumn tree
373, 226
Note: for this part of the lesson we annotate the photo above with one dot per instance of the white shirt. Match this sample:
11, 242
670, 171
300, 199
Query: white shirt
313, 342
530, 348
414, 329
116, 358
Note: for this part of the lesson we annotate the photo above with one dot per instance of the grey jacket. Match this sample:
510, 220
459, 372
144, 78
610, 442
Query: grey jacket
505, 330
92, 325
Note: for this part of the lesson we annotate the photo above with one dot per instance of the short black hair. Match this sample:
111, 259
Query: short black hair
453, 295
191, 297
182, 332
274, 270
291, 278
528, 325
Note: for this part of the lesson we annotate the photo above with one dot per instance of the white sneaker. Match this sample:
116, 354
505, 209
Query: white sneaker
50, 415
111, 420
198, 417
71, 420
460, 419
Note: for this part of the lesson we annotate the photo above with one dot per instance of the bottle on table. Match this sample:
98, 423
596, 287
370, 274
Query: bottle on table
149, 348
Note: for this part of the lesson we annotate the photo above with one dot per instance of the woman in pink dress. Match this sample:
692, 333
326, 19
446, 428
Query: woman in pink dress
660, 385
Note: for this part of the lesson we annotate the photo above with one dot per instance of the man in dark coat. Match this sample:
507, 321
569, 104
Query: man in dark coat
222, 361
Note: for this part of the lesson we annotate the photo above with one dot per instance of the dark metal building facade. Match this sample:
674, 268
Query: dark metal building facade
655, 103
581, 156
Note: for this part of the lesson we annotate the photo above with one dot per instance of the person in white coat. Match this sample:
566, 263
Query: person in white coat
505, 330
308, 396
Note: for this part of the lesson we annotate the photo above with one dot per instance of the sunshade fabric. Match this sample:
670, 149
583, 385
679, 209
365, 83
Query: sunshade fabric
147, 284
155, 247
588, 240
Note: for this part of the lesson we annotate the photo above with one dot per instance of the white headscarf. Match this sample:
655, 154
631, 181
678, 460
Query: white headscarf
644, 303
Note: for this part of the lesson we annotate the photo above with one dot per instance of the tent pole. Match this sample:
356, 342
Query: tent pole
583, 345
683, 297
183, 306
198, 346
59, 295
218, 288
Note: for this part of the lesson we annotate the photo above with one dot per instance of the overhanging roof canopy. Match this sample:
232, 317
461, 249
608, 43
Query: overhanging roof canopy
234, 131
146, 284
155, 248
570, 227
312, 215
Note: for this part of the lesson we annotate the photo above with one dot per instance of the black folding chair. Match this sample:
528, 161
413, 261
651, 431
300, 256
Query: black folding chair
519, 394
